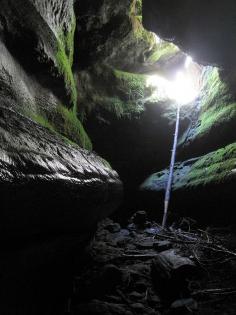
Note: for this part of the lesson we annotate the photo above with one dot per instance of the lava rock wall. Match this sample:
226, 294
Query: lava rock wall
49, 183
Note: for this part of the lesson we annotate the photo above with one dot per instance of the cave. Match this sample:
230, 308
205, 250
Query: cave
118, 157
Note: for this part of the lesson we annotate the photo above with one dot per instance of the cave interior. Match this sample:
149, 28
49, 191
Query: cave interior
117, 157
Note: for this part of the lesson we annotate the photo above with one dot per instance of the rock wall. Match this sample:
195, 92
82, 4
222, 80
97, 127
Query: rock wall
48, 186
36, 64
48, 182
116, 34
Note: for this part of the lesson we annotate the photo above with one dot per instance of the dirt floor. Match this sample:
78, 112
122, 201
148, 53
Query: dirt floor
143, 269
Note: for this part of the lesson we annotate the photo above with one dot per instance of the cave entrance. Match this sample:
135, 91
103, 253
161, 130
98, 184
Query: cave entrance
184, 90
175, 94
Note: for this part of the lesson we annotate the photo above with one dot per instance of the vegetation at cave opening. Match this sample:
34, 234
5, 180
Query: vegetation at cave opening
139, 32
218, 106
162, 49
138, 7
117, 92
131, 86
111, 91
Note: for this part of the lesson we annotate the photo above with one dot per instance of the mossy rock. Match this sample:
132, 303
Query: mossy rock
161, 50
120, 93
215, 167
66, 124
216, 117
64, 60
217, 104
140, 34
72, 128
211, 169
139, 7
212, 119
132, 86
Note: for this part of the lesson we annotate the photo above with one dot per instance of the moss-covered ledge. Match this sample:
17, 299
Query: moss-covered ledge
214, 126
213, 168
203, 189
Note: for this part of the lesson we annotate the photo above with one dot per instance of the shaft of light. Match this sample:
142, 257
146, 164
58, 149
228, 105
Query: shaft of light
171, 170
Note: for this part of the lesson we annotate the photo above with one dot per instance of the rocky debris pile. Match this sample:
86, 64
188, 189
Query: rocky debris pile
135, 270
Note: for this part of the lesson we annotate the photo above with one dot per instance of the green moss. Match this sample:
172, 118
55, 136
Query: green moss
140, 33
162, 49
64, 58
112, 104
72, 128
117, 107
106, 163
113, 91
147, 39
43, 121
128, 94
215, 91
138, 7
69, 42
216, 116
132, 85
215, 167
217, 104
66, 124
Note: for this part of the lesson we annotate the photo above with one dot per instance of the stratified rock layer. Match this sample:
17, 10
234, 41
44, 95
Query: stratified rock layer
47, 185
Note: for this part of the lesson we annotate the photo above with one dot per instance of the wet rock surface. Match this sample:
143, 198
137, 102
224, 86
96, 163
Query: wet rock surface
120, 277
111, 27
29, 50
48, 186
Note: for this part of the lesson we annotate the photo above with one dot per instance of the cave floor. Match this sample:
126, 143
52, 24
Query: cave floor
124, 272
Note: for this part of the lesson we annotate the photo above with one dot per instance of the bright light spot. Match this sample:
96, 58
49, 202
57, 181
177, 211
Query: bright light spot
188, 62
182, 89
157, 38
160, 85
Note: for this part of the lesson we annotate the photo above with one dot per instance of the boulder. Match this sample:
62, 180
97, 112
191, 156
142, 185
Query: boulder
47, 185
